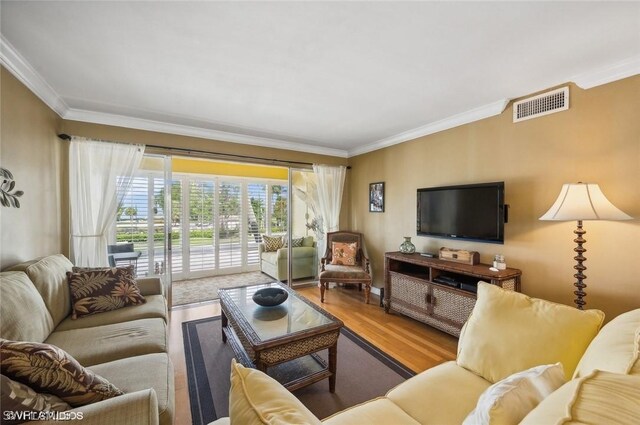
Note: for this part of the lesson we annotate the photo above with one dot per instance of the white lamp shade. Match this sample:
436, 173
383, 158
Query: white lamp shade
583, 201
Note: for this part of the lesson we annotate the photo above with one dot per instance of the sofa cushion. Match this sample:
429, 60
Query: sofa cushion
49, 369
49, 275
616, 348
332, 271
17, 322
142, 372
256, 398
447, 394
155, 307
300, 252
508, 401
379, 411
523, 332
343, 253
18, 397
98, 290
598, 398
106, 343
308, 241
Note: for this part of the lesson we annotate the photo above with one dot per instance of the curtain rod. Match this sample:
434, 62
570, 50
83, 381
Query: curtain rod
66, 137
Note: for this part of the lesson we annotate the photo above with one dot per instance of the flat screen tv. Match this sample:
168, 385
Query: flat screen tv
474, 212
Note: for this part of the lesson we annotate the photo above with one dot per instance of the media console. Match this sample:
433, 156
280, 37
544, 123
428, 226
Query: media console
437, 292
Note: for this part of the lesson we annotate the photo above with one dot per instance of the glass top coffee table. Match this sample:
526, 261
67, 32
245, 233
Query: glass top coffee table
282, 341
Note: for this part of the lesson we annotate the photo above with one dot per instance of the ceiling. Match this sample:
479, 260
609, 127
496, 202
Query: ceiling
337, 78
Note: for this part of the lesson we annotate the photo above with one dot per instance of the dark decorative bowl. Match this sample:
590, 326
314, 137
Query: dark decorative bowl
269, 297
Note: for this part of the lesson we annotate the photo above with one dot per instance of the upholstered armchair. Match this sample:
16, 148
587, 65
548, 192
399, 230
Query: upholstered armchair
344, 261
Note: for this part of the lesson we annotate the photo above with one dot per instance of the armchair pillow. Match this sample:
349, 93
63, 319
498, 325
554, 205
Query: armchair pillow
102, 289
523, 332
49, 369
255, 399
507, 402
343, 253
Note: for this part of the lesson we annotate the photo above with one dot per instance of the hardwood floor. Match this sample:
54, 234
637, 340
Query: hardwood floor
414, 344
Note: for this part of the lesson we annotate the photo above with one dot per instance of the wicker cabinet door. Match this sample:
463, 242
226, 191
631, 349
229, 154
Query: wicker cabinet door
453, 307
409, 295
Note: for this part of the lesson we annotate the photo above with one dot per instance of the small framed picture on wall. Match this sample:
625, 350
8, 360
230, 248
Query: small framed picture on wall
376, 197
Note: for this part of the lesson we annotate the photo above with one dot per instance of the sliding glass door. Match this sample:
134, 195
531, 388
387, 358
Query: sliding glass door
142, 225
199, 224
304, 227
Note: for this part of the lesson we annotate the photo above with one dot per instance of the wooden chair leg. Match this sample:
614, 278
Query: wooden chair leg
359, 287
367, 292
322, 288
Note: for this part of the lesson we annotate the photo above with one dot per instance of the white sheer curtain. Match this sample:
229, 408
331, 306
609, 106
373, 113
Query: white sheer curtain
98, 172
330, 186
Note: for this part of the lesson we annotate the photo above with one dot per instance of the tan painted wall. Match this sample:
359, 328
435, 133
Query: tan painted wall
596, 140
31, 150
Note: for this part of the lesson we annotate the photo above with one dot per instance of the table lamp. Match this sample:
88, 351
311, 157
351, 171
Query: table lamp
582, 201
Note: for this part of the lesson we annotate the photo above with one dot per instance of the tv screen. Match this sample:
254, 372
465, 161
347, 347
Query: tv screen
472, 212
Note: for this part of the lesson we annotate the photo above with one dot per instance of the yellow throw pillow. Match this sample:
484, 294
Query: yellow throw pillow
615, 348
343, 253
508, 401
598, 398
256, 398
508, 332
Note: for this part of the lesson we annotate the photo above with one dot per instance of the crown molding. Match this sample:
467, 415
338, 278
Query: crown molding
204, 133
11, 59
475, 114
27, 75
626, 68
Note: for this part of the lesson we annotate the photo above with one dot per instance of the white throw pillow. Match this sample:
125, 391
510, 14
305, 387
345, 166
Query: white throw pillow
508, 401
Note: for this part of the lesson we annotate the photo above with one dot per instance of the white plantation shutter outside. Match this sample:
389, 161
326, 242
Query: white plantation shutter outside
278, 208
177, 217
131, 220
217, 223
229, 224
256, 219
201, 230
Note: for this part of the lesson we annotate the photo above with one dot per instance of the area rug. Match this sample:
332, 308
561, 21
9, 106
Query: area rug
206, 289
364, 372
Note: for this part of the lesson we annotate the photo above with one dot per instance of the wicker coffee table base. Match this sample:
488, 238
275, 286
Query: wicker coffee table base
283, 351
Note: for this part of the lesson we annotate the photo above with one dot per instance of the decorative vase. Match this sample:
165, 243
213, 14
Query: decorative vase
407, 247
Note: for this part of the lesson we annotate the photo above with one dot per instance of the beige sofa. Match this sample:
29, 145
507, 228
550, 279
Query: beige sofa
305, 260
500, 337
128, 346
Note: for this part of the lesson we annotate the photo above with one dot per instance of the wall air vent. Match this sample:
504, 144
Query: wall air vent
542, 104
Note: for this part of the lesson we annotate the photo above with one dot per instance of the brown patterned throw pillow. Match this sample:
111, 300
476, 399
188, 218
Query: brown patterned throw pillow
125, 269
272, 243
102, 289
343, 253
20, 398
48, 369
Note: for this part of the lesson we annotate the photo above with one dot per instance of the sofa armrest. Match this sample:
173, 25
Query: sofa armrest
282, 253
150, 286
137, 408
260, 249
